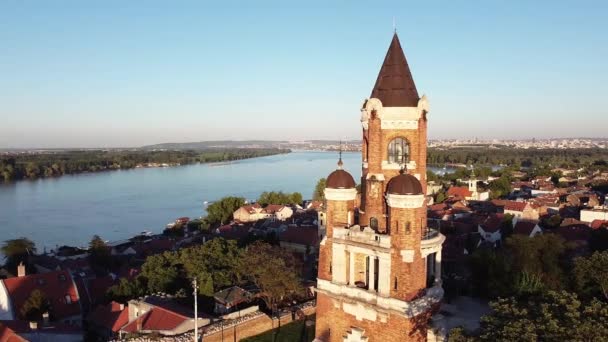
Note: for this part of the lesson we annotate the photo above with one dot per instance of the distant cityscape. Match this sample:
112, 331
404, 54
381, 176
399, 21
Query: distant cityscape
347, 145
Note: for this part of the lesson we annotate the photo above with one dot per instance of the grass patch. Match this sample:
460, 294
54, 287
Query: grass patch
293, 332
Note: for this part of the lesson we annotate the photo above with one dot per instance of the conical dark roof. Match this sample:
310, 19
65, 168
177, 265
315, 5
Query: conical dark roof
395, 86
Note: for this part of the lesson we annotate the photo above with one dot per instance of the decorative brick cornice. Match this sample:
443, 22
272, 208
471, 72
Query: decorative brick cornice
340, 194
405, 201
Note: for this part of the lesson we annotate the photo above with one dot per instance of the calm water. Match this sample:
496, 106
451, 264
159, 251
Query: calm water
119, 204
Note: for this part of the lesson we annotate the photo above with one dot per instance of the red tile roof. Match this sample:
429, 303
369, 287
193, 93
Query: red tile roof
273, 208
300, 235
515, 206
56, 286
251, 208
524, 228
459, 191
110, 316
8, 335
492, 223
156, 319
597, 224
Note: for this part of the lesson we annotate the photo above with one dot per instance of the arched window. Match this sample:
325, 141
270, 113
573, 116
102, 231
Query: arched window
398, 151
373, 223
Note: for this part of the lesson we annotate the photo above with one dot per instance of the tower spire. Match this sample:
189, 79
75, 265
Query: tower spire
395, 85
340, 163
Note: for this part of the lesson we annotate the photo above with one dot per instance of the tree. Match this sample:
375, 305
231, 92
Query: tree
591, 275
100, 254
440, 197
319, 194
553, 316
216, 264
500, 187
161, 273
279, 197
599, 239
16, 251
127, 289
272, 269
431, 176
35, 305
222, 210
490, 273
537, 261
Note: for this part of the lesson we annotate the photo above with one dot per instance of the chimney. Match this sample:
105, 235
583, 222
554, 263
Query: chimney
21, 270
45, 319
122, 306
33, 325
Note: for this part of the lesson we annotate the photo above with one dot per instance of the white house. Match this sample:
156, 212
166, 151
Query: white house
489, 230
590, 215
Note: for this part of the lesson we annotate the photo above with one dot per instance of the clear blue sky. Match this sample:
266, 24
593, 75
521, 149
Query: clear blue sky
129, 73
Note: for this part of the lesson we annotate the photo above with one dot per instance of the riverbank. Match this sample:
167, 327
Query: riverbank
30, 166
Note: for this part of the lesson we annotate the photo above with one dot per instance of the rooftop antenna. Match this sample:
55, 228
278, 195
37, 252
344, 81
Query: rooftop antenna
340, 163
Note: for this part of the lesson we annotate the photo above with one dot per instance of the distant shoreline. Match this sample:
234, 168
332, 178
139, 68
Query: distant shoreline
34, 166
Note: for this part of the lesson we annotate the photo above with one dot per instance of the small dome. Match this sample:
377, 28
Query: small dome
340, 179
404, 184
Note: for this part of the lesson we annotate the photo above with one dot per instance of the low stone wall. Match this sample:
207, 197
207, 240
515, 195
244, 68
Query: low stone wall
241, 313
236, 329
253, 326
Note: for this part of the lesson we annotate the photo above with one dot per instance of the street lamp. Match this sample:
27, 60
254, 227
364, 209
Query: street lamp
195, 293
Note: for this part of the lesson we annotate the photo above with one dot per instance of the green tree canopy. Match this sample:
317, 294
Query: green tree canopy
128, 289
273, 270
35, 305
553, 316
591, 275
500, 187
16, 251
100, 255
319, 194
216, 264
220, 212
274, 197
161, 273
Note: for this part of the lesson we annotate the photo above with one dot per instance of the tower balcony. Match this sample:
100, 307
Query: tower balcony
361, 302
358, 235
431, 241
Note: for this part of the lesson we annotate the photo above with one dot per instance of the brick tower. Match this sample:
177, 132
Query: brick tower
380, 278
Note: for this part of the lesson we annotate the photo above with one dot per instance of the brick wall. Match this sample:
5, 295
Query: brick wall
333, 324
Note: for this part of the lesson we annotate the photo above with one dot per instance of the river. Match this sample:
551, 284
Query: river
69, 210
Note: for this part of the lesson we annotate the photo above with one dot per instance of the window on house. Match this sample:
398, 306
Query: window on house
373, 223
395, 285
408, 228
68, 299
398, 151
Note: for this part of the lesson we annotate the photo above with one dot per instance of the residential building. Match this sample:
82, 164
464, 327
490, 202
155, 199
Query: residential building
57, 287
521, 210
161, 315
527, 228
255, 212
590, 215
107, 320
